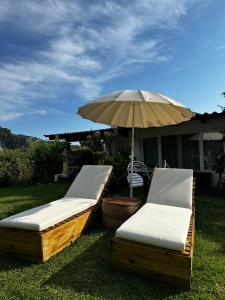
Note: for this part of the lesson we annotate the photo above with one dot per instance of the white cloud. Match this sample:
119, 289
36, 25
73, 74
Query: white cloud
85, 44
220, 47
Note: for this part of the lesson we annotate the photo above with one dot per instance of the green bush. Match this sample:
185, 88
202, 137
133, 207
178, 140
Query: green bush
9, 171
24, 165
119, 170
119, 165
46, 159
38, 162
41, 160
15, 165
84, 156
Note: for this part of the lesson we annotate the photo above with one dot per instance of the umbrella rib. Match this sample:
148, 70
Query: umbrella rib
171, 116
140, 92
118, 110
168, 114
127, 123
92, 110
108, 107
175, 110
117, 97
154, 113
142, 115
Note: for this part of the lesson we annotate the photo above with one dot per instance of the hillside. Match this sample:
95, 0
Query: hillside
11, 140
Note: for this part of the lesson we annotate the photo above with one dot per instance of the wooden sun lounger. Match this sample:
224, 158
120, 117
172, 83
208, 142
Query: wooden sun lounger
39, 246
169, 266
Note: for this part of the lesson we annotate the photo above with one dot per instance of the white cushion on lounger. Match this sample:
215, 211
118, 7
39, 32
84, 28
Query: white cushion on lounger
171, 187
158, 225
45, 216
90, 182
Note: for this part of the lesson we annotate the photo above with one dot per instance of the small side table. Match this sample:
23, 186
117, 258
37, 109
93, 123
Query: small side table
116, 210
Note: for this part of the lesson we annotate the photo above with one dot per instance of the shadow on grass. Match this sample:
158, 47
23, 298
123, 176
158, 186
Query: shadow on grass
90, 274
8, 263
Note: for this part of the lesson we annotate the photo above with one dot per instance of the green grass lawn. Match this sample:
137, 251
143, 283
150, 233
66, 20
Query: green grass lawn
82, 271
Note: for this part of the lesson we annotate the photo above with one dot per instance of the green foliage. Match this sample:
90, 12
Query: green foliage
221, 106
119, 164
8, 167
220, 163
111, 143
38, 162
24, 164
82, 155
46, 158
94, 142
119, 170
15, 165
220, 166
85, 156
115, 143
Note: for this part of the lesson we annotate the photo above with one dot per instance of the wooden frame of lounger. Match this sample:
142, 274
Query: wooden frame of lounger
170, 266
39, 246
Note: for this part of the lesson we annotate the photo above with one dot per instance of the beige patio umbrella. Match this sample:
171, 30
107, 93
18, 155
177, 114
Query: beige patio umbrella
135, 108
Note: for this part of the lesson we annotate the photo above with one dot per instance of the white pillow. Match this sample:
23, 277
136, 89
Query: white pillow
171, 187
158, 225
90, 182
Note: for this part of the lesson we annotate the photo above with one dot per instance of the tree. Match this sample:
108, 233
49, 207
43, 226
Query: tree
220, 106
94, 142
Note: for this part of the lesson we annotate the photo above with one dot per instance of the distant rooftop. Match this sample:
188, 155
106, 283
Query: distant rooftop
77, 136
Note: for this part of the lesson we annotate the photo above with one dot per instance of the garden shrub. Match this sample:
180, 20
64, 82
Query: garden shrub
46, 159
41, 160
38, 162
24, 165
119, 165
119, 170
84, 156
9, 171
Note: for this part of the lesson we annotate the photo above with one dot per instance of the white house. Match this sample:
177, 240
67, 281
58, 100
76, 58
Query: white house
193, 144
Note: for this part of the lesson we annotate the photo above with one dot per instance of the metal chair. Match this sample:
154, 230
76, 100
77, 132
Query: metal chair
165, 164
137, 180
138, 167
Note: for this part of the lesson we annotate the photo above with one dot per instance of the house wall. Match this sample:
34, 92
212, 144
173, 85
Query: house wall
190, 127
185, 128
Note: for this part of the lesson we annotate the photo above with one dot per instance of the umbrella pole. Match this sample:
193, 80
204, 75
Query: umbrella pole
132, 156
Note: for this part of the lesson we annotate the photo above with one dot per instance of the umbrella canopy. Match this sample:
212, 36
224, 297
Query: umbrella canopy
135, 108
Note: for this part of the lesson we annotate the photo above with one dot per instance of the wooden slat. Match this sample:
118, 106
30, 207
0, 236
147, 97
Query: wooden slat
57, 240
46, 244
170, 266
30, 238
154, 265
7, 246
39, 246
151, 253
148, 273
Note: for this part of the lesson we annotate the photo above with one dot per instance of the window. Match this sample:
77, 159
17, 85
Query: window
211, 147
190, 149
150, 147
169, 150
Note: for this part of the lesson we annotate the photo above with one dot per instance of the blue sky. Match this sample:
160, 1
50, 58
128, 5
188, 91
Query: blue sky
57, 55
